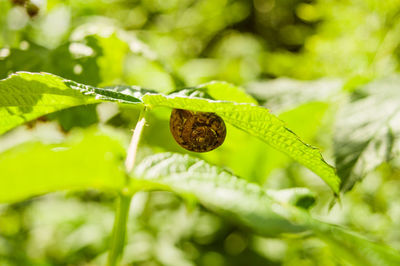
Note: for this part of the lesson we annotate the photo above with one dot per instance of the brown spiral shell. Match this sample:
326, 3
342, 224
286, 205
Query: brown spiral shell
197, 131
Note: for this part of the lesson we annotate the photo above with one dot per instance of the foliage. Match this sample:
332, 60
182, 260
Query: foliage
374, 135
47, 93
317, 72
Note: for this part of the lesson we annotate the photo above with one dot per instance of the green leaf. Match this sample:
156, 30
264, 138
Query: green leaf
258, 122
268, 213
216, 188
90, 160
25, 96
368, 130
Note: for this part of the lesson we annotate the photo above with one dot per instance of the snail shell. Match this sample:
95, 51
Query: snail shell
197, 131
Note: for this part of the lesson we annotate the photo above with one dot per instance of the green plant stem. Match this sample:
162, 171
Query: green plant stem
119, 230
124, 200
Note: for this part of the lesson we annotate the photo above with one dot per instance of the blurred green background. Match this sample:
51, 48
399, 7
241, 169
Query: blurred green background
298, 58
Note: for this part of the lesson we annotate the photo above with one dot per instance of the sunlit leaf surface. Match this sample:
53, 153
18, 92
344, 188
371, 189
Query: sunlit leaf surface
289, 55
25, 96
258, 122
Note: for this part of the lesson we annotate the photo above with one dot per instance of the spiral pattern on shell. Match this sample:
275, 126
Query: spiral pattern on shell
197, 131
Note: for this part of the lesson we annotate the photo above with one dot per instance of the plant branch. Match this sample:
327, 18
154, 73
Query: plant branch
124, 200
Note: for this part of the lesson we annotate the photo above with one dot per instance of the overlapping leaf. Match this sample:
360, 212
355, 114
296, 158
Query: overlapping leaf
26, 96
